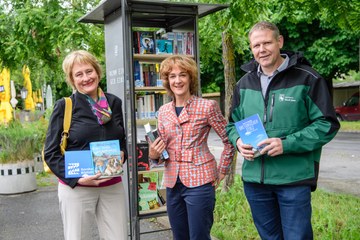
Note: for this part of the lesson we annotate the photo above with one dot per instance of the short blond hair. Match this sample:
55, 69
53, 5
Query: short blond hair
79, 56
186, 64
264, 25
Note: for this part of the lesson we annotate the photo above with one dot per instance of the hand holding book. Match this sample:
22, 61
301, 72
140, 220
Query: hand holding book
272, 146
251, 132
155, 151
156, 144
104, 157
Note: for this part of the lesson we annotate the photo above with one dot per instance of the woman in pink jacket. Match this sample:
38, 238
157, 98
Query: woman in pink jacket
191, 172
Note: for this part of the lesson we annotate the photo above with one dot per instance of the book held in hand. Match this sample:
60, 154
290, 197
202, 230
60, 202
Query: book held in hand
107, 158
78, 164
103, 156
252, 131
153, 134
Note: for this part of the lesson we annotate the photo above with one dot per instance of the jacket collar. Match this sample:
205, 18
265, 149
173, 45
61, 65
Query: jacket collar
184, 115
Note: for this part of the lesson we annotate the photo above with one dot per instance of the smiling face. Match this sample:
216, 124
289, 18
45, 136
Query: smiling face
266, 49
179, 81
86, 79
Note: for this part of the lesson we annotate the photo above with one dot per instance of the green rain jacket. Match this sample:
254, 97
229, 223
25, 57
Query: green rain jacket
298, 109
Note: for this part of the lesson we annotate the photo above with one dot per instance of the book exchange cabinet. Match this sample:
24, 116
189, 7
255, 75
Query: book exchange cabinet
138, 36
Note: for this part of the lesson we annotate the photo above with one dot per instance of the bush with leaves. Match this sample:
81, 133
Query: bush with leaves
21, 141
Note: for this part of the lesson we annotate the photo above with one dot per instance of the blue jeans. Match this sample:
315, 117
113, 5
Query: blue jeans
190, 211
280, 212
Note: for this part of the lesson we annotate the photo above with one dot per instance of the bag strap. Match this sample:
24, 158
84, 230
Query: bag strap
65, 133
66, 124
67, 115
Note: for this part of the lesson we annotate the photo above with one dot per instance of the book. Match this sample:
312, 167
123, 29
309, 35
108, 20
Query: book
148, 196
153, 134
142, 149
162, 196
147, 42
103, 156
164, 46
78, 164
137, 74
107, 158
136, 42
252, 131
140, 107
179, 42
189, 43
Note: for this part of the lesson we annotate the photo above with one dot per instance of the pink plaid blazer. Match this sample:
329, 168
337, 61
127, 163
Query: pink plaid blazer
186, 141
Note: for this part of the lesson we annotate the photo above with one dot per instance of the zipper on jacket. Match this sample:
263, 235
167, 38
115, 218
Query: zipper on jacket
262, 170
272, 107
264, 117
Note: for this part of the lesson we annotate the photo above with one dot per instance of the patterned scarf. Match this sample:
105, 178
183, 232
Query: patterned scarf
100, 108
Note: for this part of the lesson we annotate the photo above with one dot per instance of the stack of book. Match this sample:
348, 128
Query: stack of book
147, 42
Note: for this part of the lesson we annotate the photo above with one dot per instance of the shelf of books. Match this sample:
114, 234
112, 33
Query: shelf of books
152, 195
156, 58
151, 192
150, 48
158, 89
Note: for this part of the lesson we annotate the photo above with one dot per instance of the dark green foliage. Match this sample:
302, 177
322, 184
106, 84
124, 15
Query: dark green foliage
330, 50
326, 31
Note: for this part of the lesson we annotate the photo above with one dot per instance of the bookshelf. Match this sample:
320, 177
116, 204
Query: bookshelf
155, 58
156, 174
119, 18
150, 47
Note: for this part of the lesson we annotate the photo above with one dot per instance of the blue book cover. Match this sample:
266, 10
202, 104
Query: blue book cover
252, 131
164, 46
147, 42
78, 164
107, 158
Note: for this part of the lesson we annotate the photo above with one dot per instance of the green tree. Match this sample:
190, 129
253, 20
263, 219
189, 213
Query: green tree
228, 41
40, 33
329, 49
327, 31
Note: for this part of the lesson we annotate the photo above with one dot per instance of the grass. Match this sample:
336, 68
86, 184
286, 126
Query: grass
335, 216
349, 126
44, 179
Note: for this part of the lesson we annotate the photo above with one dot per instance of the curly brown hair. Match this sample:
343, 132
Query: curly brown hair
186, 64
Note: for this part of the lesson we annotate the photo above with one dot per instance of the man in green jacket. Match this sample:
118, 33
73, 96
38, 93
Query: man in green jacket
294, 103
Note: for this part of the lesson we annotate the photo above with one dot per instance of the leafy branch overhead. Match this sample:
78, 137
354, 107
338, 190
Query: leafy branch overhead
41, 33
